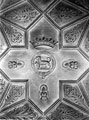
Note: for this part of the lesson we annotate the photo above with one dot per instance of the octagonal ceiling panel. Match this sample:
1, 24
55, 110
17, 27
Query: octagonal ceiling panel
72, 34
63, 14
15, 35
22, 15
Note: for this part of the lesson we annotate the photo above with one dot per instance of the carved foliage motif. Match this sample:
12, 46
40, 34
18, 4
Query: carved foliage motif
14, 94
70, 64
13, 34
24, 112
73, 34
74, 95
63, 14
45, 41
23, 15
65, 112
15, 64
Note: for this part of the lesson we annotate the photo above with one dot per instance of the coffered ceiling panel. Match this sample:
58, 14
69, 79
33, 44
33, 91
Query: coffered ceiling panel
44, 60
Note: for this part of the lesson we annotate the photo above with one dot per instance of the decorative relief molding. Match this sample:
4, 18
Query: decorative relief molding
73, 34
19, 25
43, 34
73, 94
63, 13
15, 64
44, 92
66, 112
14, 94
13, 34
43, 63
22, 15
3, 45
71, 64
24, 112
45, 41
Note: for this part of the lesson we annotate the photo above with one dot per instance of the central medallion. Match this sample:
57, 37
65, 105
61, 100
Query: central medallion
43, 63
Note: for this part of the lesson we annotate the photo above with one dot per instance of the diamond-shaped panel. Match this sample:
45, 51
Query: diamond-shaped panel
63, 13
16, 36
72, 34
3, 45
23, 15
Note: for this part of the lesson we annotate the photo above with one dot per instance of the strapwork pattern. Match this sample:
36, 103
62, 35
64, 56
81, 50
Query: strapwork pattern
44, 60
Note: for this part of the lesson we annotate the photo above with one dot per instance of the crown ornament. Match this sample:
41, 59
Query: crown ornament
43, 41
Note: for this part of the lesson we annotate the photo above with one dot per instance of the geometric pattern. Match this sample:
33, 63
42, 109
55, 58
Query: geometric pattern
22, 15
44, 60
64, 13
15, 35
72, 34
